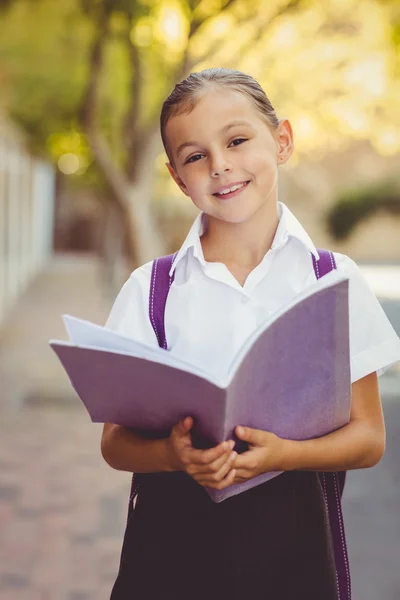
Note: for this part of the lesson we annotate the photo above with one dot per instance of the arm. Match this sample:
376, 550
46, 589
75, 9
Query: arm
127, 451
357, 445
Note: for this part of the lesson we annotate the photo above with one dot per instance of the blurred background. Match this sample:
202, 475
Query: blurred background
85, 197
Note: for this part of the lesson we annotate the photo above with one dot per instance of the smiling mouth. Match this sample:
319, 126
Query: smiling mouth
233, 191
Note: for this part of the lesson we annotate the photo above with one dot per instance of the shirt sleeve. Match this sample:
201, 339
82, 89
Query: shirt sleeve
374, 344
129, 315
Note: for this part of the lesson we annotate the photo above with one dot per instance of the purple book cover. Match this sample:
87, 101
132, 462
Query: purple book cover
294, 380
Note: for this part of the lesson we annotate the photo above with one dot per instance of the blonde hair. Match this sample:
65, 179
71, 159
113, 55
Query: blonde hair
187, 93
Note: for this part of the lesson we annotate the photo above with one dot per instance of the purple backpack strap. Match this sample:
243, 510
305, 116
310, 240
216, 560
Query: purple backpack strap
333, 482
325, 264
160, 282
159, 287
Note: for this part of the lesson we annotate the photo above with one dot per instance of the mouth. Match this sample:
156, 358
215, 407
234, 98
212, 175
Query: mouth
234, 190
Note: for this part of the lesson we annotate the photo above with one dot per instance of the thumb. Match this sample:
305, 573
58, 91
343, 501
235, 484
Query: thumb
183, 426
255, 437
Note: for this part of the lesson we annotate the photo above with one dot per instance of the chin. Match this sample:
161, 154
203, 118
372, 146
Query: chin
234, 219
236, 215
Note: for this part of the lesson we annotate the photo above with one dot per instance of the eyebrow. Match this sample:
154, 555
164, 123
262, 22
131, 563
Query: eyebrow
223, 130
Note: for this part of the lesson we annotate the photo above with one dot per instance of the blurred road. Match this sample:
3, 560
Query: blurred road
62, 510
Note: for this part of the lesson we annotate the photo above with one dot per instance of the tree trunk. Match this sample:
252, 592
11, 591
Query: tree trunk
114, 269
133, 197
146, 242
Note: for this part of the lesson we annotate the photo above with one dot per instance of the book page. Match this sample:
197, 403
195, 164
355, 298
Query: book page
327, 281
89, 335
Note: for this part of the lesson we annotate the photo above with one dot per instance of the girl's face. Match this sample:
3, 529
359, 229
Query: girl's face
224, 143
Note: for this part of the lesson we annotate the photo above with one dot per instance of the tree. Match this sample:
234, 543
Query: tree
328, 66
171, 29
154, 44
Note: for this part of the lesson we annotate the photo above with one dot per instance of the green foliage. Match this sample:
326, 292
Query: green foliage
327, 66
356, 205
43, 57
7, 4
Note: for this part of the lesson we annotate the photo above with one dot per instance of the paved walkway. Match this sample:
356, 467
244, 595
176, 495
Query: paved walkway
63, 510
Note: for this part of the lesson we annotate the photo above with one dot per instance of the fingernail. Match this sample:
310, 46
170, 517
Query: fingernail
231, 445
233, 456
239, 430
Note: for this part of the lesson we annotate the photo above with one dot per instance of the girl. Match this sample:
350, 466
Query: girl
245, 256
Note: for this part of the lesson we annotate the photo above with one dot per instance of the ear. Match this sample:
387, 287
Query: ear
176, 178
284, 137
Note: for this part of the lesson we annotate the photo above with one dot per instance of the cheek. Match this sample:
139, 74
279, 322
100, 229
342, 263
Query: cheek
196, 182
263, 166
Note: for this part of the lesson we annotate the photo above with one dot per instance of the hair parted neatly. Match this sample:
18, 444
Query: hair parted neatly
187, 93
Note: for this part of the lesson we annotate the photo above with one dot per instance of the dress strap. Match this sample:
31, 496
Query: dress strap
332, 485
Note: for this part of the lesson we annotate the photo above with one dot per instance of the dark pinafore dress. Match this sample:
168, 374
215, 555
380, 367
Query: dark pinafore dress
281, 540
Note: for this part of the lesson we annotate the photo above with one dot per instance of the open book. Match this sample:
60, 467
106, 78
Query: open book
291, 377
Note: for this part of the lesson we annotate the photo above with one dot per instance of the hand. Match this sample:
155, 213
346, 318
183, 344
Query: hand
208, 467
264, 454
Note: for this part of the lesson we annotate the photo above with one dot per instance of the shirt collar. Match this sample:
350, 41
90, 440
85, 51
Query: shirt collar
288, 226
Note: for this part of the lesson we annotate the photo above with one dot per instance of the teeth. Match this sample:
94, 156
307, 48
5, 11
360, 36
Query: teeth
232, 189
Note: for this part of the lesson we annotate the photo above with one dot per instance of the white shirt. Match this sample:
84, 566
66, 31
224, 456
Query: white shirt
209, 314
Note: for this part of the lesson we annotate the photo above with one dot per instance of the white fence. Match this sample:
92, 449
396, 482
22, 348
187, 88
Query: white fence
26, 215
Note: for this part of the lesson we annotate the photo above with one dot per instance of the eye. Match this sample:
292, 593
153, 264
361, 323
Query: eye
193, 158
238, 141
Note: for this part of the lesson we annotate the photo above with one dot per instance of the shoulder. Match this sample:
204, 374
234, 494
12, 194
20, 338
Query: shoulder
346, 265
358, 283
139, 279
129, 314
359, 289
374, 344
136, 286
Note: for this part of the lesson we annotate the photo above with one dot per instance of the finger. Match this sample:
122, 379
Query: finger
227, 481
186, 424
224, 462
183, 426
222, 484
242, 475
255, 437
249, 461
244, 460
225, 468
206, 457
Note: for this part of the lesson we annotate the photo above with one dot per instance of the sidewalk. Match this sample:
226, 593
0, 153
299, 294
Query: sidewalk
28, 367
62, 509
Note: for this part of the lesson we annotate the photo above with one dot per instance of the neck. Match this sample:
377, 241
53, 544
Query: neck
241, 244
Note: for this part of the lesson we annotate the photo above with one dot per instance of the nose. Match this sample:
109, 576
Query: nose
219, 165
